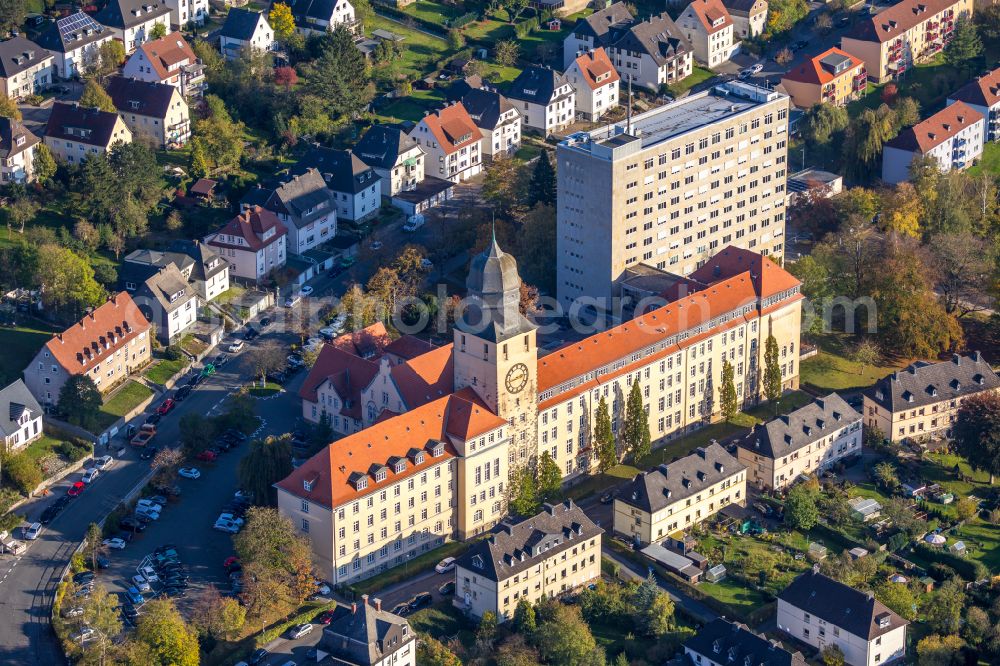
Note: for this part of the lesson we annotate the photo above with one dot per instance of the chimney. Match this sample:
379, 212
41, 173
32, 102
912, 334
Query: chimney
377, 603
59, 335
354, 608
364, 599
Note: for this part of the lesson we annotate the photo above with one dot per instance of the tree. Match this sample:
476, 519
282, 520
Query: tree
171, 640
935, 650
217, 140
961, 265
503, 185
487, 630
160, 30
564, 639
943, 611
832, 655
976, 432
120, 188
95, 96
100, 613
515, 651
549, 478
360, 308
197, 433
890, 92
902, 209
864, 138
286, 77
783, 15
801, 512
604, 438
652, 610
899, 597
44, 163
506, 53
94, 545
217, 616
823, 122
8, 107
432, 652
22, 471
866, 353
269, 461
772, 371
265, 359
111, 55
965, 46
784, 56
20, 211
12, 14
456, 40
977, 626
635, 427
277, 553
282, 21
79, 400
727, 391
542, 186
524, 492
885, 475
966, 508
340, 75
524, 617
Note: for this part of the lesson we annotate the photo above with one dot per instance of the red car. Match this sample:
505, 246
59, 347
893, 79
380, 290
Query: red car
76, 489
326, 617
206, 456
230, 561
165, 408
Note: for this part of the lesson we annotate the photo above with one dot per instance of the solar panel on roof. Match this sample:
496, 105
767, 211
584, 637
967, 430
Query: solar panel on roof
77, 23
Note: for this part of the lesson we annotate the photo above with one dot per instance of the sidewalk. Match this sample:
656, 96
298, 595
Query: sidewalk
631, 571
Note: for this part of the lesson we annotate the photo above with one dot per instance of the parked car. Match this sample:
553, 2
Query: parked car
258, 657
83, 635
31, 532
250, 333
166, 406
104, 462
220, 360
153, 418
376, 245
447, 589
326, 617
299, 630
607, 498
189, 472
224, 525
445, 565
147, 512
114, 543
402, 609
206, 456
306, 290
295, 361
148, 453
149, 504
132, 524
83, 577
76, 489
75, 611
762, 508
292, 301
140, 584
90, 474
419, 601
236, 347
208, 370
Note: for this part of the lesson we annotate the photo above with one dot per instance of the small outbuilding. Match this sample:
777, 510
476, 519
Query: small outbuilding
716, 573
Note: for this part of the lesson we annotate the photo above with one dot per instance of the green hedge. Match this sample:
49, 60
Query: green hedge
306, 614
970, 570
463, 20
394, 13
524, 28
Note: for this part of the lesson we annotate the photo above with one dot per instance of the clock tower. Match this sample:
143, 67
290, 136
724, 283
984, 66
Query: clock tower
495, 348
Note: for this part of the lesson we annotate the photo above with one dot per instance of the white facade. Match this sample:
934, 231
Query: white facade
262, 39
712, 37
505, 138
958, 150
858, 651
183, 12
341, 13
359, 205
31, 81
644, 71
136, 35
18, 168
592, 100
77, 61
30, 423
558, 113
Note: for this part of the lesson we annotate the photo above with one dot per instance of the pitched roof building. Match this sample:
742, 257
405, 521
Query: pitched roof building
710, 29
498, 121
749, 16
74, 40
983, 96
20, 416
304, 204
169, 59
544, 98
25, 68
245, 28
253, 243
17, 152
724, 642
133, 21
953, 137
832, 77
366, 635
354, 184
155, 113
205, 271
596, 83
601, 28
321, 16
74, 132
107, 345
163, 297
452, 142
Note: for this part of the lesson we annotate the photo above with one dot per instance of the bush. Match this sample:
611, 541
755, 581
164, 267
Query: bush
7, 498
11, 520
73, 450
969, 570
463, 20
524, 28
172, 353
23, 472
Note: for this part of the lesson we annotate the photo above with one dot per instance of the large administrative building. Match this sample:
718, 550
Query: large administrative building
432, 433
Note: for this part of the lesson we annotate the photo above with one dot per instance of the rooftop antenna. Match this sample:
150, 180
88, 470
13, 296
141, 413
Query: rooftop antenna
628, 122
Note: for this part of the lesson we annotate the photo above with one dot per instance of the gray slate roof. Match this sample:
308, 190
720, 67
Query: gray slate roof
659, 37
807, 424
537, 85
71, 32
81, 124
382, 145
14, 400
727, 642
10, 130
18, 54
924, 383
302, 198
656, 489
240, 24
598, 24
129, 13
308, 11
341, 169
364, 634
856, 612
512, 548
144, 98
206, 263
158, 282
485, 107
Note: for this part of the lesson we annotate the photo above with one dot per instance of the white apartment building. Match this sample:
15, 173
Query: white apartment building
133, 21
498, 120
305, 206
185, 12
983, 96
322, 16
953, 137
244, 28
672, 188
17, 152
749, 16
678, 496
710, 29
75, 42
599, 29
253, 243
365, 635
20, 417
354, 185
820, 611
724, 643
396, 158
544, 98
169, 60
25, 68
74, 133
596, 83
453, 143
806, 441
545, 556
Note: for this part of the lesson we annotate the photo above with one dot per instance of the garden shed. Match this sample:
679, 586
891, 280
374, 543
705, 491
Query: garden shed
865, 508
817, 551
716, 573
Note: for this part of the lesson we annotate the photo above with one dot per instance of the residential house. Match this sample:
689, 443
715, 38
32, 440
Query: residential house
184, 13
156, 113
452, 141
544, 98
547, 555
74, 42
725, 643
498, 121
820, 611
321, 16
749, 17
20, 417
983, 96
397, 159
17, 152
953, 137
253, 243
133, 21
245, 28
710, 30
305, 206
806, 441
107, 344
25, 68
171, 60
365, 635
354, 184
596, 83
601, 28
206, 272
675, 497
923, 400
74, 132
651, 53
832, 77
162, 295
909, 32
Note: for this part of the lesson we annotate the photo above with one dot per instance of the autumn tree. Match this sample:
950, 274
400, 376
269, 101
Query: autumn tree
866, 354
43, 163
976, 432
8, 106
503, 185
282, 21
506, 53
564, 638
80, 401
274, 551
523, 492
100, 613
171, 641
94, 96
432, 652
94, 547
216, 141
937, 650
158, 30
727, 391
635, 426
604, 438
266, 358
269, 461
12, 14
943, 610
652, 609
902, 210
961, 266
217, 616
772, 370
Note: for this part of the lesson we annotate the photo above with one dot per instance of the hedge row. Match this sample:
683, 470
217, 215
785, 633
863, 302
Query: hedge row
399, 15
970, 570
463, 20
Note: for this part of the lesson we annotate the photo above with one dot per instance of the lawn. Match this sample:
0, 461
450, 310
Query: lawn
443, 622
420, 50
832, 370
432, 11
990, 160
164, 369
266, 391
929, 83
940, 468
123, 401
698, 75
412, 107
42, 447
20, 344
983, 541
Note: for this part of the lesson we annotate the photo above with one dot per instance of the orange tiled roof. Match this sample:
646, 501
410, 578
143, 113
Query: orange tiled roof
812, 70
166, 51
594, 64
937, 129
984, 91
453, 127
98, 335
426, 377
897, 19
330, 474
367, 342
711, 11
251, 225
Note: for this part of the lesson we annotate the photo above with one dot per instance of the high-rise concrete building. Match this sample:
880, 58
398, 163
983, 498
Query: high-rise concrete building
671, 187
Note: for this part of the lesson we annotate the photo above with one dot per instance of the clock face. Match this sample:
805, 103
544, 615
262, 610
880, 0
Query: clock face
517, 378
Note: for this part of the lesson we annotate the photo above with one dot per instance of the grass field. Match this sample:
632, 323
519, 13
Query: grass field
698, 75
420, 50
443, 622
122, 402
433, 11
990, 161
161, 371
42, 447
266, 391
20, 344
832, 370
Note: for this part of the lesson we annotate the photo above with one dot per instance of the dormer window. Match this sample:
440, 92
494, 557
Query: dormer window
19, 141
399, 467
419, 458
437, 450
361, 483
380, 475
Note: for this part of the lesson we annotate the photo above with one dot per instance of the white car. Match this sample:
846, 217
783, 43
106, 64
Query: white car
426, 264
231, 518
306, 291
149, 504
322, 588
115, 543
329, 333
189, 472
445, 565
141, 583
292, 300
226, 526
31, 531
104, 462
236, 347
90, 475
149, 573
147, 512
84, 635
75, 611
